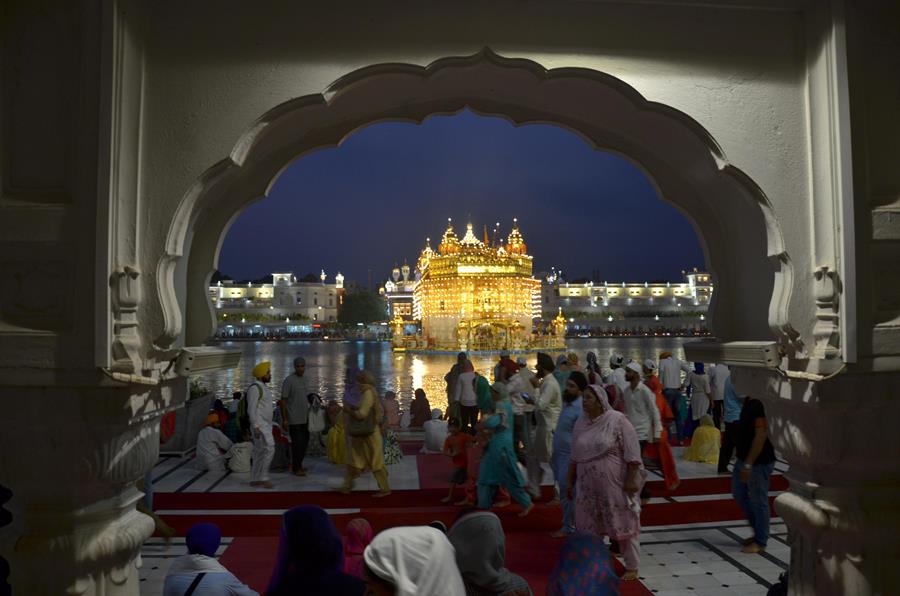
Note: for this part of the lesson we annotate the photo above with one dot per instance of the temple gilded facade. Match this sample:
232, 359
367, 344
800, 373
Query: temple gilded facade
477, 294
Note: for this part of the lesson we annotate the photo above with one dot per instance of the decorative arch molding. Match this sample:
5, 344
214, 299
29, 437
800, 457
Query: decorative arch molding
734, 219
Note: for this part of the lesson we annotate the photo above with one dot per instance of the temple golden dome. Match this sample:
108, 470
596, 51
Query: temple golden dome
449, 242
515, 243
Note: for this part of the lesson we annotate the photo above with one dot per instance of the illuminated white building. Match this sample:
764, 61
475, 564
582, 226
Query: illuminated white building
690, 295
284, 298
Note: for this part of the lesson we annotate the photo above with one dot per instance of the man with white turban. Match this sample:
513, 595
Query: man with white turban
413, 561
259, 409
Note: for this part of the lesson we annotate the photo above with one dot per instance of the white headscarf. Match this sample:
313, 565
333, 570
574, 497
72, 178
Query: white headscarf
417, 560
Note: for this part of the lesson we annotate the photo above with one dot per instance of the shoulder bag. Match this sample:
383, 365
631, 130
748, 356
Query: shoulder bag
361, 427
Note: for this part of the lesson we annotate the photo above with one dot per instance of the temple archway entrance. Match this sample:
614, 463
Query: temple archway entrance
733, 218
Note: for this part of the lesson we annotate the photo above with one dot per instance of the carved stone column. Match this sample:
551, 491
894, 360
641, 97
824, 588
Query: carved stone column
71, 456
840, 438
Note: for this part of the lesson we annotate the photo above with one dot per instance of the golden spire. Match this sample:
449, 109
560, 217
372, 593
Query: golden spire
515, 244
449, 243
469, 239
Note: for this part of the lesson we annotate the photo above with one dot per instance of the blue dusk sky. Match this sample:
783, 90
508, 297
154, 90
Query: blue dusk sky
371, 202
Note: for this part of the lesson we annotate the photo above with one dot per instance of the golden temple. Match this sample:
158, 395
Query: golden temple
478, 295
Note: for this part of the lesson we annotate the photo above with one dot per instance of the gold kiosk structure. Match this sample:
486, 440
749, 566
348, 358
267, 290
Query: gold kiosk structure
478, 296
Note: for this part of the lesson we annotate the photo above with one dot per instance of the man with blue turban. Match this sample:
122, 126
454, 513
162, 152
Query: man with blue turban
199, 573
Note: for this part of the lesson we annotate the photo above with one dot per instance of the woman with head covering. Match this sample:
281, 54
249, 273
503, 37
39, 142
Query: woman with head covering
584, 568
562, 370
484, 396
562, 448
606, 475
499, 466
363, 412
202, 543
412, 561
705, 443
419, 409
359, 535
311, 557
592, 371
480, 546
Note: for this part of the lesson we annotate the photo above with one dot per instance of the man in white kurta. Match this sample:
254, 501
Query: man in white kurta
640, 406
547, 407
259, 409
212, 445
617, 374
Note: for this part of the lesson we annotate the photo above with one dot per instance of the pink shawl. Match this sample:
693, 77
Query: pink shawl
592, 439
359, 535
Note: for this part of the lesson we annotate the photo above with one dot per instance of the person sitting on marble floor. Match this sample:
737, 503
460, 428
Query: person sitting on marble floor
310, 558
198, 572
419, 409
435, 433
705, 442
212, 445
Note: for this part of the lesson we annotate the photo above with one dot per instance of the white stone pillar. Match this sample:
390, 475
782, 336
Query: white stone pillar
840, 438
72, 456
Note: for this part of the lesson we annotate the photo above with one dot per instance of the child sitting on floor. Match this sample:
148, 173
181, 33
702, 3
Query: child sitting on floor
455, 447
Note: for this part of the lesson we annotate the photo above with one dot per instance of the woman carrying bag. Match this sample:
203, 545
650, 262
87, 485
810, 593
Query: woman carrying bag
364, 413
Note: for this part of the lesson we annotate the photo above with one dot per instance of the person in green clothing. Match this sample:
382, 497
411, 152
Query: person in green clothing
498, 464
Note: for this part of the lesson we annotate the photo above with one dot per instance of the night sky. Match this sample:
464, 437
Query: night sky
371, 202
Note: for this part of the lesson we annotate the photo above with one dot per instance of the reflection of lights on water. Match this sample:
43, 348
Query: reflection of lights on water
326, 364
418, 372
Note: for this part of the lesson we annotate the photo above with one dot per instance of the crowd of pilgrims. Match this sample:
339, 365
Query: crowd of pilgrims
598, 431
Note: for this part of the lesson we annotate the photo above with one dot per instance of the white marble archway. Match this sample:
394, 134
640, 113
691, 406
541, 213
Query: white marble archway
734, 219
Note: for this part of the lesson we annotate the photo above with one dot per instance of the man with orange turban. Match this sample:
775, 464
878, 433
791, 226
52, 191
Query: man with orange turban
212, 444
259, 410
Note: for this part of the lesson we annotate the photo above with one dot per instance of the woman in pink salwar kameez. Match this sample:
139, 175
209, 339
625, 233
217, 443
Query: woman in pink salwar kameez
606, 476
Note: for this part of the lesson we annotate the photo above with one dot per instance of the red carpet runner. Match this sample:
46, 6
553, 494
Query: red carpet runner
530, 550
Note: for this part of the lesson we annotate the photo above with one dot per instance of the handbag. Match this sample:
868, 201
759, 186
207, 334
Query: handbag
361, 427
316, 419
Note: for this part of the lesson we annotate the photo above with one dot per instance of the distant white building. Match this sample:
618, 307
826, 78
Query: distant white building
691, 295
285, 299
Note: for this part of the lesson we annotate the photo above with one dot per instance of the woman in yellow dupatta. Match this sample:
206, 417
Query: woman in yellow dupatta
363, 427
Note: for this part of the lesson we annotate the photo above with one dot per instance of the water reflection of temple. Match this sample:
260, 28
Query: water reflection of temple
472, 294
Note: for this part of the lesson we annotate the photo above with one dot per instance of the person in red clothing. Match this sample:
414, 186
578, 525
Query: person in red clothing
662, 451
455, 446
